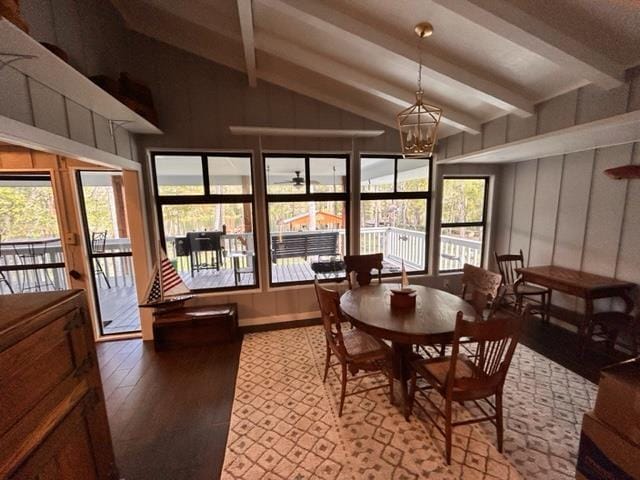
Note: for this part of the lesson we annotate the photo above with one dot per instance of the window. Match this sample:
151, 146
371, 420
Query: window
307, 209
464, 205
205, 214
394, 210
31, 256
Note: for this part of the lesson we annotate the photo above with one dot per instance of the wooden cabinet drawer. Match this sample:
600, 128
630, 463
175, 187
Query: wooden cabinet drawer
65, 452
36, 365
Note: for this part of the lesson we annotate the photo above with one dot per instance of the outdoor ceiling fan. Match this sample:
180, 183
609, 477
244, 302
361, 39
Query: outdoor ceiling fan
297, 181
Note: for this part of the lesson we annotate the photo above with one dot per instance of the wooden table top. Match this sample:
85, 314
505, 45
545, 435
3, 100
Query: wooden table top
432, 321
552, 274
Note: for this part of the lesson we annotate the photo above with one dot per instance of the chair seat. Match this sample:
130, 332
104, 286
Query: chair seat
436, 370
526, 289
361, 346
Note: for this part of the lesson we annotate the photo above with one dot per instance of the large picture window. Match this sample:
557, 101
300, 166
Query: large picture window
464, 205
307, 209
205, 214
395, 198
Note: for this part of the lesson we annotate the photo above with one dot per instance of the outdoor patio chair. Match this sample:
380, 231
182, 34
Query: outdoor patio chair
3, 278
98, 245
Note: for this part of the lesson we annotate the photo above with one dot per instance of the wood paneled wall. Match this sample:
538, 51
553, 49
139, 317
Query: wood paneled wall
93, 35
563, 210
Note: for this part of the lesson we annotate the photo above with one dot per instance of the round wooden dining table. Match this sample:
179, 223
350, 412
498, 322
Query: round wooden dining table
431, 322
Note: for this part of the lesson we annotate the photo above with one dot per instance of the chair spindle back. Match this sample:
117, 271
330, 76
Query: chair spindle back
507, 264
362, 266
496, 341
329, 303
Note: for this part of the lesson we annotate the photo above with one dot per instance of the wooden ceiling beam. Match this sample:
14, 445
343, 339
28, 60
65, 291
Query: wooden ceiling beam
508, 21
343, 26
245, 14
198, 40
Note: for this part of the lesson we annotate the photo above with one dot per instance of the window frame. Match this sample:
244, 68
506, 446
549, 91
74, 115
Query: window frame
307, 196
401, 195
482, 223
208, 199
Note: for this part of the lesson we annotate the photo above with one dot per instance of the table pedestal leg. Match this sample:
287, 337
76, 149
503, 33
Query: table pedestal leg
401, 372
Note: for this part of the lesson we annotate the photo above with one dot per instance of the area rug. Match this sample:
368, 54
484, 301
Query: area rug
284, 423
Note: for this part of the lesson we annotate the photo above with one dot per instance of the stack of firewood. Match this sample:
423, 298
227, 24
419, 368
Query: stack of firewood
10, 9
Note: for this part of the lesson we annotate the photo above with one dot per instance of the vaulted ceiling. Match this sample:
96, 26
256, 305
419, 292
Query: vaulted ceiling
485, 59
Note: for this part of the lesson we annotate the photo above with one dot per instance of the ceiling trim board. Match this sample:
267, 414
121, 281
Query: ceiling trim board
511, 23
295, 54
248, 41
323, 17
303, 132
615, 130
21, 134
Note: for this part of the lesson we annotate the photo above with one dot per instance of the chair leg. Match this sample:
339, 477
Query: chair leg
390, 376
448, 430
343, 391
499, 425
326, 363
101, 272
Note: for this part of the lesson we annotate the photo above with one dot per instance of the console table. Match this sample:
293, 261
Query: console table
587, 286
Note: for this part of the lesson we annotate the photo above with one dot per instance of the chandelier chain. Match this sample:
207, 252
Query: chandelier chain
419, 64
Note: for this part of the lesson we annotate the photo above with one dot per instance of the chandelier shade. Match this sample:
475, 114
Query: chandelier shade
418, 127
418, 124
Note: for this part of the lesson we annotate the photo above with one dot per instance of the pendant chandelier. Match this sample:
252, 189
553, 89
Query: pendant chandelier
418, 124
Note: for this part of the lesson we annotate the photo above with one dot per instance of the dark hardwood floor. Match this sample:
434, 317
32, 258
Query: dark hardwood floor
169, 411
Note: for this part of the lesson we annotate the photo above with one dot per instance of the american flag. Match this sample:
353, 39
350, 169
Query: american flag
172, 284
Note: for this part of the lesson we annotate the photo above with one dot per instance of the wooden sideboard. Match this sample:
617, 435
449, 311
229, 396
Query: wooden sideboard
54, 422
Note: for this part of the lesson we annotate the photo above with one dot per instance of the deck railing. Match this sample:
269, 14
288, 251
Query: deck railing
397, 244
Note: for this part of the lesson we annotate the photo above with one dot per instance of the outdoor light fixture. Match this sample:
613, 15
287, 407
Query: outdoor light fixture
418, 124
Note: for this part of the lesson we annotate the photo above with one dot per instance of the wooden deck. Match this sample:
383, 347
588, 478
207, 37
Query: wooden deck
119, 304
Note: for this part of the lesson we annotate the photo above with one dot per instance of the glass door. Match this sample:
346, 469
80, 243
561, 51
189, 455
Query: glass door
107, 240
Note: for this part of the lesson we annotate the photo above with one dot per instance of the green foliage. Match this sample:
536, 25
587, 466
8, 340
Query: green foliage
27, 212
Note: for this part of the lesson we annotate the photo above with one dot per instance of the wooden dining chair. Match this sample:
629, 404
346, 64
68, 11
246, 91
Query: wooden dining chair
458, 378
481, 288
362, 265
519, 290
354, 349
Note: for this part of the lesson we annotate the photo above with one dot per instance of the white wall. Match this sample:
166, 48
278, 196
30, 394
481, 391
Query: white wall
563, 210
93, 35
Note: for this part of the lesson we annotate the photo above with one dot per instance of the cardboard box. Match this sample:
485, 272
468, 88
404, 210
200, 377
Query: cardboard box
604, 454
618, 400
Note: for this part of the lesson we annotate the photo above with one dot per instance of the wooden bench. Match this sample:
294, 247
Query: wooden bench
304, 245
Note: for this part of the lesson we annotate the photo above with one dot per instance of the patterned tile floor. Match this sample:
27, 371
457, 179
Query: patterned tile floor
285, 425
